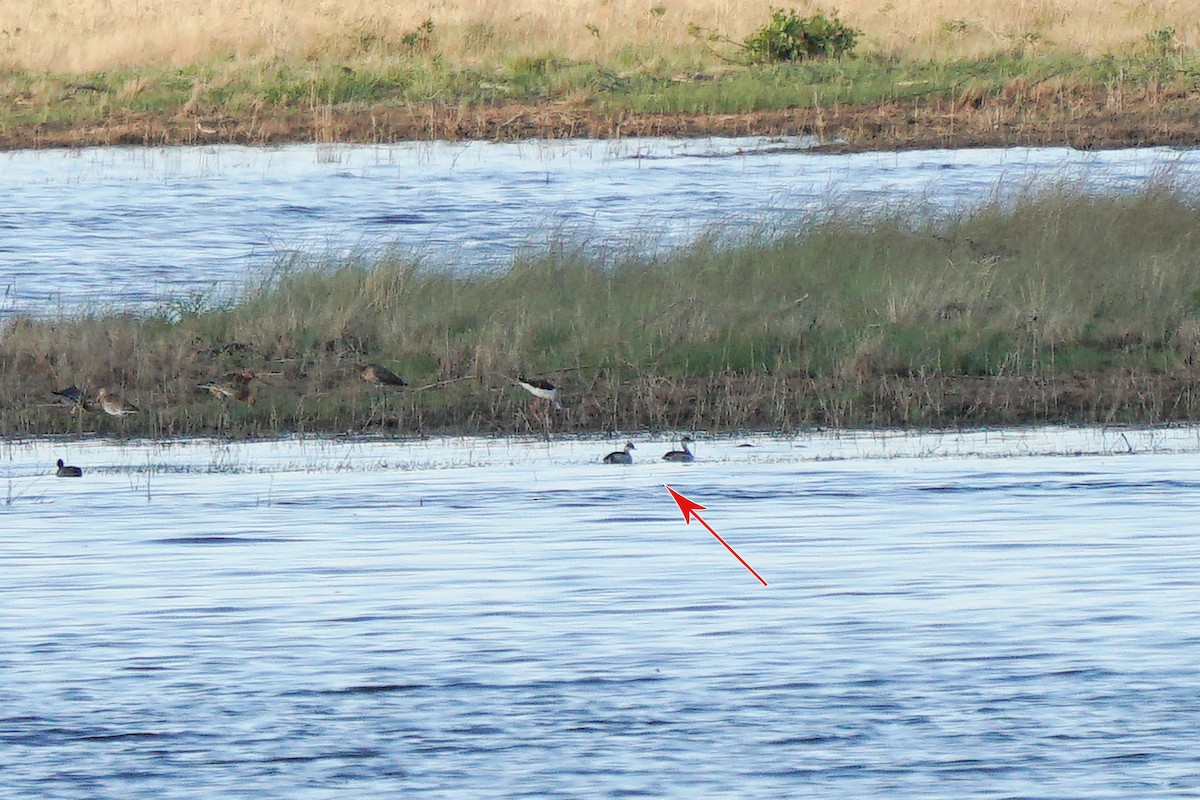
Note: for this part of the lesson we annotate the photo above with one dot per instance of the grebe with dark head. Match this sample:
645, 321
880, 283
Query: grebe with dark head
620, 456
65, 471
681, 455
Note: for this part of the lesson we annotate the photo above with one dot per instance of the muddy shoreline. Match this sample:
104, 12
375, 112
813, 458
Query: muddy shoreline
599, 405
1083, 120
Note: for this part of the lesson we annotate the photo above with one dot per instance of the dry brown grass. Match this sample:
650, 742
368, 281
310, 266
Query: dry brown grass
86, 35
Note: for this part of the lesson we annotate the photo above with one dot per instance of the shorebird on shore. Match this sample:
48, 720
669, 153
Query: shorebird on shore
72, 394
620, 456
114, 406
65, 471
380, 376
541, 389
234, 386
681, 455
74, 397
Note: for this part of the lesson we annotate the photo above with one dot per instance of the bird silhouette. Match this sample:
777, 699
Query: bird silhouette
65, 471
380, 376
234, 386
113, 405
620, 456
681, 455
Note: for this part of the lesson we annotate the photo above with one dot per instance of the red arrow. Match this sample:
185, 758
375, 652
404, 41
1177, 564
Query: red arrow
689, 509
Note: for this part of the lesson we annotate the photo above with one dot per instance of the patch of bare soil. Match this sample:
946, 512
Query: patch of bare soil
1082, 118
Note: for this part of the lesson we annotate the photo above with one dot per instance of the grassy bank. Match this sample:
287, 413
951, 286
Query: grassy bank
86, 35
216, 94
161, 73
1063, 307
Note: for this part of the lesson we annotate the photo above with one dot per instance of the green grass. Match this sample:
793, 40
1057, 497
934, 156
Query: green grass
626, 83
1030, 288
847, 318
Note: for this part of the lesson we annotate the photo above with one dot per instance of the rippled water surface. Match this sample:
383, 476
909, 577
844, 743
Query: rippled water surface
138, 225
999, 614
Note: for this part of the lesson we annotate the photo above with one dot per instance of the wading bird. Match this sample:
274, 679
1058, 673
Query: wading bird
234, 386
65, 471
620, 456
72, 394
75, 398
681, 455
114, 406
380, 376
541, 390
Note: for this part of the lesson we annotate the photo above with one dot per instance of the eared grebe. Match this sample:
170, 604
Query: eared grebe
620, 456
681, 455
65, 471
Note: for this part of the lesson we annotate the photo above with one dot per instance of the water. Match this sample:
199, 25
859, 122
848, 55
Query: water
121, 226
992, 614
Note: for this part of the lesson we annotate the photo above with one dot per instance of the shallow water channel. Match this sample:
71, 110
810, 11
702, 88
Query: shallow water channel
989, 614
120, 226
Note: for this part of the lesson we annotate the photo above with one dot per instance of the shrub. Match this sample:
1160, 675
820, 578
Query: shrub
420, 39
790, 37
1162, 41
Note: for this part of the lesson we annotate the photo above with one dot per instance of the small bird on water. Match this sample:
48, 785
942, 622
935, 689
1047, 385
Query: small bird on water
234, 386
380, 376
681, 455
620, 456
65, 471
114, 406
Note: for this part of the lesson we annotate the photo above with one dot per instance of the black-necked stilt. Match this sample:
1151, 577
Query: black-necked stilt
114, 406
681, 455
620, 456
234, 386
542, 390
65, 471
380, 376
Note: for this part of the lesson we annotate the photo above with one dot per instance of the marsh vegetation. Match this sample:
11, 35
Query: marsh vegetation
1062, 306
